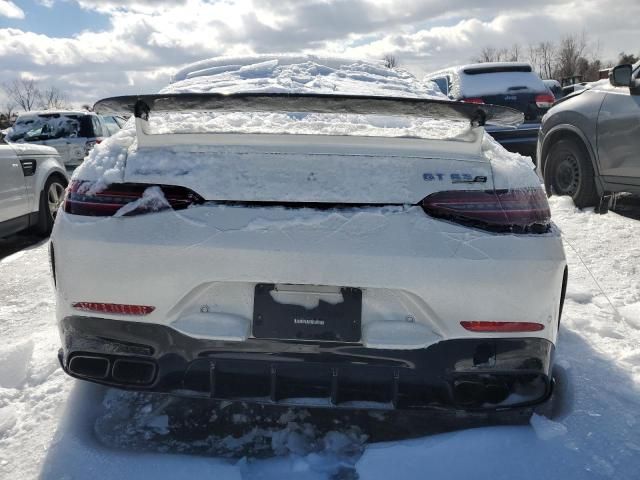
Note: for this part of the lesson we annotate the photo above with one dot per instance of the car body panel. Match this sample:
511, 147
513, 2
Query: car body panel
14, 200
619, 134
405, 261
28, 167
301, 168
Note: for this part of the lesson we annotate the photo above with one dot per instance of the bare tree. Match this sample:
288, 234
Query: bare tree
390, 61
515, 53
570, 50
491, 54
533, 56
6, 114
487, 54
547, 54
23, 93
52, 98
8, 110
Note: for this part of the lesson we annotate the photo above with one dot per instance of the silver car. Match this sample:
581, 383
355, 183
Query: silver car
589, 142
72, 133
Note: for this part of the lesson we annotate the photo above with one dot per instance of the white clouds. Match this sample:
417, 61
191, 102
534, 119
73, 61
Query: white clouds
10, 10
148, 38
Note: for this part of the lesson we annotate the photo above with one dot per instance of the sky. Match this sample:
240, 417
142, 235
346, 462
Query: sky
96, 48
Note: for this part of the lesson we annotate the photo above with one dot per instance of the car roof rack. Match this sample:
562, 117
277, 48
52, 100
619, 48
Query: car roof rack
477, 115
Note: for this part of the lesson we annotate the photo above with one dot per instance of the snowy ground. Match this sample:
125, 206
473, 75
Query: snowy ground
53, 427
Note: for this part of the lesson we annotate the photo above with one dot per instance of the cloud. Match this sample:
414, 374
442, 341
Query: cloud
147, 39
10, 10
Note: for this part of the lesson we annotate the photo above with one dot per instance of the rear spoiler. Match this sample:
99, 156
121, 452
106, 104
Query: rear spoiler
477, 115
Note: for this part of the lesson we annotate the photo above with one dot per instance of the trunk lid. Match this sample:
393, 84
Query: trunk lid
315, 168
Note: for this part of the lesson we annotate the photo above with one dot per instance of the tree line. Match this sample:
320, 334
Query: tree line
27, 94
572, 56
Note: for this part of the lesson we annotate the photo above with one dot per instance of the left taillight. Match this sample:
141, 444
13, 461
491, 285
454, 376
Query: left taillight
523, 210
81, 199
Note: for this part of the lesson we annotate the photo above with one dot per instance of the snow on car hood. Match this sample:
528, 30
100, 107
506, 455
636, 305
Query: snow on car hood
286, 73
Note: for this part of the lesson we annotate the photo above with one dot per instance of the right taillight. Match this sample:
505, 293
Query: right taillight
523, 210
82, 200
545, 100
473, 100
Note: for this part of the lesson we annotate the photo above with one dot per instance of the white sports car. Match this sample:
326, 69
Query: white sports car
296, 259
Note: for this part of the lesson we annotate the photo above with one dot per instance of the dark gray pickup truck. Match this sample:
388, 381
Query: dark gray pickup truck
589, 142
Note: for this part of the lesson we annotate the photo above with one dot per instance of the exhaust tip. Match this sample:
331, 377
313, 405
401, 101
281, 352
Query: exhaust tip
89, 366
468, 392
133, 372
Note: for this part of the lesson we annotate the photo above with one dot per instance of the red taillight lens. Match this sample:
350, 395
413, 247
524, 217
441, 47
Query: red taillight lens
509, 327
473, 100
113, 308
81, 200
520, 211
545, 100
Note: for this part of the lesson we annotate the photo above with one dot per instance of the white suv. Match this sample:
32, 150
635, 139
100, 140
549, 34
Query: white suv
32, 184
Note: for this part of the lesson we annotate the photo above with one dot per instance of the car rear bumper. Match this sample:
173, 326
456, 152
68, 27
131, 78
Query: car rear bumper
419, 277
480, 374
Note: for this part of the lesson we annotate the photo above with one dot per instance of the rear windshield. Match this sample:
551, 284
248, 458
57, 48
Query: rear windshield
34, 128
481, 84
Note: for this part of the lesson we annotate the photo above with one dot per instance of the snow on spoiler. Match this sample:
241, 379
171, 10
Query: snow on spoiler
478, 115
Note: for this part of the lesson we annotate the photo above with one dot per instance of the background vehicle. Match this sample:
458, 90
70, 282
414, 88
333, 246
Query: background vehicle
326, 266
554, 87
32, 183
72, 133
510, 84
590, 141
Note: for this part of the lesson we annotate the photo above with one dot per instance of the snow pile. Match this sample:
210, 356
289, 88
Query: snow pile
510, 170
298, 74
105, 164
152, 200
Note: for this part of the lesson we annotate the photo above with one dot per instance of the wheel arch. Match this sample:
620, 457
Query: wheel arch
46, 168
567, 131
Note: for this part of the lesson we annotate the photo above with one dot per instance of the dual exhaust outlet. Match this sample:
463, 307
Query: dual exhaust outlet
469, 392
126, 371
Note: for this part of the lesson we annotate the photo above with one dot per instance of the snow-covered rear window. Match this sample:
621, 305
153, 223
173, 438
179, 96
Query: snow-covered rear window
33, 128
480, 84
306, 124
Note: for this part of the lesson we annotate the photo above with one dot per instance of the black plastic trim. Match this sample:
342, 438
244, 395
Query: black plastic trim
269, 370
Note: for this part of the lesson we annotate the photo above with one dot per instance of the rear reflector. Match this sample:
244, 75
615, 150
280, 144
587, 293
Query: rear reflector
502, 326
82, 200
113, 308
545, 100
523, 210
